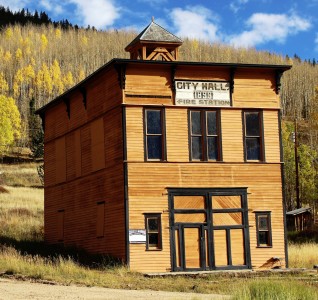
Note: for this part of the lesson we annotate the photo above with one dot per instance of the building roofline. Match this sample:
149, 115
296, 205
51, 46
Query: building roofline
123, 61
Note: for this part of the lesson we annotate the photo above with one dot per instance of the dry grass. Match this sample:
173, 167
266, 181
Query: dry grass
303, 255
21, 213
20, 175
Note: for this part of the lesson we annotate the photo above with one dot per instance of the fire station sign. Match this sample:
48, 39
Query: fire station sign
202, 93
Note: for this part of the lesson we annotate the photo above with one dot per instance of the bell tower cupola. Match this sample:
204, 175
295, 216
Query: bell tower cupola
154, 43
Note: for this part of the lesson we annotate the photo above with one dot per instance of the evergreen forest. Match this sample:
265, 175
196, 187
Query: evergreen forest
41, 59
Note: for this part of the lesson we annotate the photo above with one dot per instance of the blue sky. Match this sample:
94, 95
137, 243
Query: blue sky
285, 27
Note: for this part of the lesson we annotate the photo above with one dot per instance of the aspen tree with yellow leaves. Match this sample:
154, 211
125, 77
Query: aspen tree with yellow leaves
4, 87
9, 123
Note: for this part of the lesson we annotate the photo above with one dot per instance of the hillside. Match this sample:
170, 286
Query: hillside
39, 62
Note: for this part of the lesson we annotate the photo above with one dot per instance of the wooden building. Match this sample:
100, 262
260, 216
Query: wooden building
299, 219
168, 165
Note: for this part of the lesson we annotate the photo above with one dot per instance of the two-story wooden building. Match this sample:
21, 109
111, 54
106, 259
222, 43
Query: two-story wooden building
168, 165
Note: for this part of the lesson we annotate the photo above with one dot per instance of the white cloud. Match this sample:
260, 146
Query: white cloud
153, 2
269, 27
97, 13
15, 5
195, 22
52, 6
236, 5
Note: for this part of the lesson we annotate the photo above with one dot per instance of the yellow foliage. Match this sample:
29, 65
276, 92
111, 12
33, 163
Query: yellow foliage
18, 54
58, 33
7, 56
28, 72
68, 80
81, 75
4, 87
84, 40
44, 42
25, 42
195, 44
43, 80
18, 79
10, 122
32, 61
8, 33
56, 77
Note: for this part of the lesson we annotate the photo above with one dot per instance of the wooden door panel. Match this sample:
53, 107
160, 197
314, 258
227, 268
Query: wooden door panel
220, 247
192, 247
237, 245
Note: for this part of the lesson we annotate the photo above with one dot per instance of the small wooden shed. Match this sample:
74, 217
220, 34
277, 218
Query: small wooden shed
168, 165
299, 219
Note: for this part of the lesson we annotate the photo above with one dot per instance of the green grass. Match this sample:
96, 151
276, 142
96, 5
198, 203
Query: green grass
273, 290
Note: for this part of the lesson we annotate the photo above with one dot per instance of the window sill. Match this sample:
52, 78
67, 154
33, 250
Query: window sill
153, 249
264, 246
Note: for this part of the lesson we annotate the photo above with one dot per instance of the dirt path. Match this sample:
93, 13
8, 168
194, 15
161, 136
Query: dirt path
18, 290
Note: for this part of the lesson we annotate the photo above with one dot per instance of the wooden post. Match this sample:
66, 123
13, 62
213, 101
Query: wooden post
296, 165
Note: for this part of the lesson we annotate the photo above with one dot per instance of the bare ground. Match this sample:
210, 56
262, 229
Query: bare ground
11, 289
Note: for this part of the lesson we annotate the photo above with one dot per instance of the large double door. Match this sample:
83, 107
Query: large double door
209, 229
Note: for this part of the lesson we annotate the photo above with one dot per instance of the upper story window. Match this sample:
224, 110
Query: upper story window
253, 135
154, 134
205, 144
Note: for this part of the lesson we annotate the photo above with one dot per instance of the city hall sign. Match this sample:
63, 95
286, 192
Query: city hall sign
202, 93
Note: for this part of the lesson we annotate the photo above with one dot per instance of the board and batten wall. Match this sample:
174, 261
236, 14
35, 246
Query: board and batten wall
84, 178
148, 181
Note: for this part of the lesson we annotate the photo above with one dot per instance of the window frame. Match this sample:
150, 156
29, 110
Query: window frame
259, 214
204, 134
260, 136
163, 134
158, 231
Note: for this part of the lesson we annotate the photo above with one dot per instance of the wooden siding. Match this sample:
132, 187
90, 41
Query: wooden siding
177, 135
271, 136
202, 73
154, 82
255, 88
148, 183
135, 133
232, 135
60, 160
78, 199
92, 155
103, 93
98, 144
